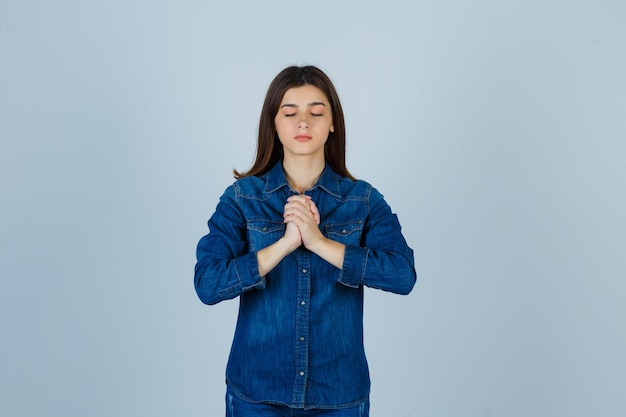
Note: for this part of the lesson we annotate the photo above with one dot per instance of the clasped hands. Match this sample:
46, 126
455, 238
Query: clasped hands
302, 218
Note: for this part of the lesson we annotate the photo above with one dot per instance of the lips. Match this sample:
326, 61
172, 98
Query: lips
303, 138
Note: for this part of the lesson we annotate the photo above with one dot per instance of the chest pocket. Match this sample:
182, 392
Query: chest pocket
346, 233
262, 233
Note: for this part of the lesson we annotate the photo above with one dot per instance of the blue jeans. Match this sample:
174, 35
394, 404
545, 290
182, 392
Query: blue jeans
236, 407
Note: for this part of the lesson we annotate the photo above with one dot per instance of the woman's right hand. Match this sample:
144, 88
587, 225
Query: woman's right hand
270, 256
292, 236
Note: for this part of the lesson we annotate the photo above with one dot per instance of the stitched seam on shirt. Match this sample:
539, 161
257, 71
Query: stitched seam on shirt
367, 254
224, 293
238, 274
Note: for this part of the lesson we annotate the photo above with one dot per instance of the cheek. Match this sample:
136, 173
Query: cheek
326, 125
282, 129
279, 125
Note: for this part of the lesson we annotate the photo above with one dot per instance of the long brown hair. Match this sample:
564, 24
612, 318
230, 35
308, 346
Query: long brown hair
269, 149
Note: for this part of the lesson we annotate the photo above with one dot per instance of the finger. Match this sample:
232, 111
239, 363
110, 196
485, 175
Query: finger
300, 214
297, 205
304, 209
294, 207
295, 220
296, 214
306, 199
315, 212
303, 199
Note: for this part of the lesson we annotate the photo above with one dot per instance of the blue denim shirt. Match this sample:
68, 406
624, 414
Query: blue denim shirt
299, 334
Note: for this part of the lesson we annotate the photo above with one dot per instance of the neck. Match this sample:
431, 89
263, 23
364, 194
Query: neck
303, 174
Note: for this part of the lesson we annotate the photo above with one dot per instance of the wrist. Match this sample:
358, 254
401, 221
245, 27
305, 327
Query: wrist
317, 245
331, 251
288, 245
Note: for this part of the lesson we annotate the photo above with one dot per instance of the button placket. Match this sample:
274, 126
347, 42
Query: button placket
302, 325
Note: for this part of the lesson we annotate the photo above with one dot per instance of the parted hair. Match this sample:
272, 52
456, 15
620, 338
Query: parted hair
269, 149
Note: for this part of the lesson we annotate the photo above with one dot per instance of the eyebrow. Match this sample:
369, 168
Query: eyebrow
311, 104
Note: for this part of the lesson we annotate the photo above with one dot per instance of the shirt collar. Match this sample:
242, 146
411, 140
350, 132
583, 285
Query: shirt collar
328, 181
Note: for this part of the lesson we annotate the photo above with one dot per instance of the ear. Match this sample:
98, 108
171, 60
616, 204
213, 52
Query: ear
332, 128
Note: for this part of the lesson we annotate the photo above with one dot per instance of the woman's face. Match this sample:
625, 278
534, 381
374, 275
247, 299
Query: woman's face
304, 121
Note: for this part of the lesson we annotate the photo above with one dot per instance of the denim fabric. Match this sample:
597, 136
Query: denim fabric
236, 407
299, 334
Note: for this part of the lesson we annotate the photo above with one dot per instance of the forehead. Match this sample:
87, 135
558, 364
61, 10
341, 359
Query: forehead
304, 95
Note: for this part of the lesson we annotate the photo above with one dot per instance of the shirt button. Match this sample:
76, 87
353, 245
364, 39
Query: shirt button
304, 271
301, 373
301, 339
302, 303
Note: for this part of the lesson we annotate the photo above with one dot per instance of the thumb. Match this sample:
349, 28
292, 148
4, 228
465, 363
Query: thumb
315, 211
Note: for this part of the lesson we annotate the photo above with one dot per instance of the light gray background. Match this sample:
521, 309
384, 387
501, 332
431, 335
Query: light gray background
495, 129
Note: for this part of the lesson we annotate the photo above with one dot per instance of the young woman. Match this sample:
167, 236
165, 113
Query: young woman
296, 238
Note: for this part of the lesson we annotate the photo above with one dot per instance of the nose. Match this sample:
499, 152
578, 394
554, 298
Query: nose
303, 124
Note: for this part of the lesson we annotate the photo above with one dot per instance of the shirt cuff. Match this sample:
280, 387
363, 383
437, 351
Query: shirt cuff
247, 269
353, 269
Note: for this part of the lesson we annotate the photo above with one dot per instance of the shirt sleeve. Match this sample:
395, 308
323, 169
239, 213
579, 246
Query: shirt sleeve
384, 261
225, 268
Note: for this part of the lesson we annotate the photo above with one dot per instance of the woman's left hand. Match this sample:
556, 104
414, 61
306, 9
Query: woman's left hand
303, 212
